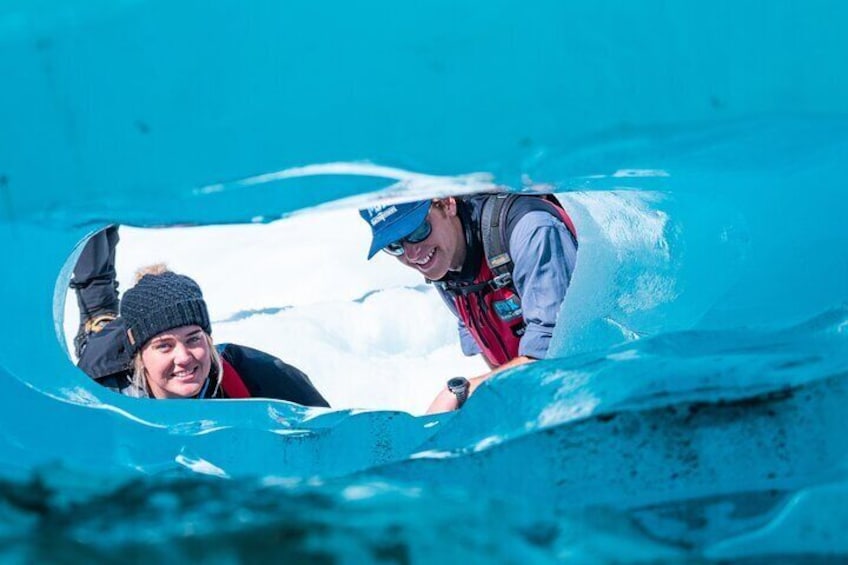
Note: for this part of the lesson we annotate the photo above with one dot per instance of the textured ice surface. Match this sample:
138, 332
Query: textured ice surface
694, 404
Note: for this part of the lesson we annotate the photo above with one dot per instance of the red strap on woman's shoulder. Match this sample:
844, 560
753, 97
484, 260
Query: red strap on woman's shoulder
231, 382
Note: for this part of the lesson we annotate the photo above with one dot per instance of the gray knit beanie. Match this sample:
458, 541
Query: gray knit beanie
161, 302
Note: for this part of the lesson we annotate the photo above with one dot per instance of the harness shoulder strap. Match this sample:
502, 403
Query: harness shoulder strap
493, 233
231, 382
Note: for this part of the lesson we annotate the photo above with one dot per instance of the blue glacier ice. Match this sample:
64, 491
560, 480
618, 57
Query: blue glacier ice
693, 404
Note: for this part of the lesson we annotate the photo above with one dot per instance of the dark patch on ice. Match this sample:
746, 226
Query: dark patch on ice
541, 534
142, 127
744, 403
716, 102
6, 194
691, 524
391, 552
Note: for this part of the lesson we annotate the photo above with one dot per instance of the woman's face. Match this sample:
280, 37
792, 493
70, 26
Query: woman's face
177, 362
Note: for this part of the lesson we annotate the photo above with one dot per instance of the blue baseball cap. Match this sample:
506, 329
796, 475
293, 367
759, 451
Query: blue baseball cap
393, 222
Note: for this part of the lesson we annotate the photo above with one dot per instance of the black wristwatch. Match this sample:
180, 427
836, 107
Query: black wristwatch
459, 386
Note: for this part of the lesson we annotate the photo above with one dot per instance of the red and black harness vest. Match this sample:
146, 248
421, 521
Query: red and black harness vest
490, 306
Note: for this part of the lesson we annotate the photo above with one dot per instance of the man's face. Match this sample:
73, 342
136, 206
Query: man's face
444, 248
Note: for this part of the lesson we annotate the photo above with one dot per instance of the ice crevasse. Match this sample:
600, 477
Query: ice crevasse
695, 395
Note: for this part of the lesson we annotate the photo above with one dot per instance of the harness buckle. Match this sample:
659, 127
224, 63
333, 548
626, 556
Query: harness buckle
502, 280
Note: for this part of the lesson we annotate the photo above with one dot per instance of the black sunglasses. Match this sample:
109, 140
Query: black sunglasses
418, 235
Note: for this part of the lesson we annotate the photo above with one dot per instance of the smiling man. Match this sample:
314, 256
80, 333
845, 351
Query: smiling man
501, 262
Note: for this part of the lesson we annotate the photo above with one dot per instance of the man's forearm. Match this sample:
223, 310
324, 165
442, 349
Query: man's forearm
477, 381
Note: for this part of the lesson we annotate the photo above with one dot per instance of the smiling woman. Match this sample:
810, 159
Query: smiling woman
161, 347
168, 332
176, 363
167, 328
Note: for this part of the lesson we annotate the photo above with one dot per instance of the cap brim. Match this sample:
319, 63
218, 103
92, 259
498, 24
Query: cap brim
399, 228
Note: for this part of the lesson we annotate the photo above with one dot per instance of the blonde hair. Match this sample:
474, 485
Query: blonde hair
216, 370
152, 269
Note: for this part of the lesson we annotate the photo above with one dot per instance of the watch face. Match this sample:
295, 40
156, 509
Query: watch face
457, 384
